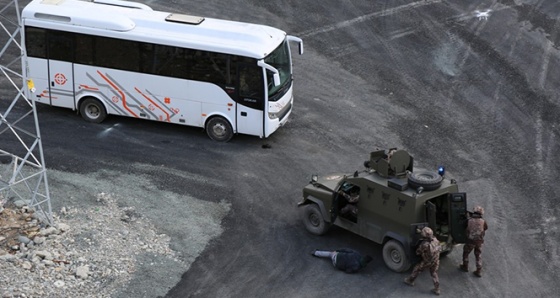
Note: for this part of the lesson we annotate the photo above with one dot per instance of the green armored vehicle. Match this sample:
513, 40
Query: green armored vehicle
393, 204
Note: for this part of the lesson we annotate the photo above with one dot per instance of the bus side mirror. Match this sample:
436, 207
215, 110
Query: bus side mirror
275, 74
299, 41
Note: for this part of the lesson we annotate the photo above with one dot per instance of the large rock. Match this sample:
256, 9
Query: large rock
49, 231
39, 239
63, 227
24, 239
82, 272
44, 254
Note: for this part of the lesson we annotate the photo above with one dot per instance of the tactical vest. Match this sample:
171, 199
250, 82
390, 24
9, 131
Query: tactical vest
475, 229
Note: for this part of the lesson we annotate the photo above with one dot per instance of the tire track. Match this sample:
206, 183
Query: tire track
366, 17
541, 107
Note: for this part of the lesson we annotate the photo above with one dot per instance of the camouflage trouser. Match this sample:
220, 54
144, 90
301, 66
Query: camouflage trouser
477, 246
433, 266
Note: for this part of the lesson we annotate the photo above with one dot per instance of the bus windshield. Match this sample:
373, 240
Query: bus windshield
279, 59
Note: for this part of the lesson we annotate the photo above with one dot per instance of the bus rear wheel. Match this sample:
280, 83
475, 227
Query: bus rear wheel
219, 129
92, 110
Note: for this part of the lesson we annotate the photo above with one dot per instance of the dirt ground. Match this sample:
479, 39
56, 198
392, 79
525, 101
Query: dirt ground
477, 95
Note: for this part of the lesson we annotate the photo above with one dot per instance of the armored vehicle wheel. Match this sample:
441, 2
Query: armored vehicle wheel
313, 220
428, 180
395, 257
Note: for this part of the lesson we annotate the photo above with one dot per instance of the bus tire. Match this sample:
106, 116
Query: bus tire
92, 110
395, 257
219, 129
313, 220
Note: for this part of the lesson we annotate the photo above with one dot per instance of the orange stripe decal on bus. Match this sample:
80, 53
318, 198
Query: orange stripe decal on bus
46, 94
89, 88
155, 104
119, 91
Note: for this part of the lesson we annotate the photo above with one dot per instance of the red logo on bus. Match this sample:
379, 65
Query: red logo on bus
60, 79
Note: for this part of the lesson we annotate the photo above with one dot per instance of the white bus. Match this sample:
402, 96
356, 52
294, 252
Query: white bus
112, 57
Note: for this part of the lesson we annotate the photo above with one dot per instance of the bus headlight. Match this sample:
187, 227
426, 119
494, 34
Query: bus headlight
273, 115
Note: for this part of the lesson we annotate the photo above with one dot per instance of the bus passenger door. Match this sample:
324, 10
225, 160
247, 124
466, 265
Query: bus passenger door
61, 84
250, 100
61, 75
37, 73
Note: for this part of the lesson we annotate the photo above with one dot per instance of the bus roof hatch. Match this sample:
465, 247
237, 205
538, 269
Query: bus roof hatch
184, 18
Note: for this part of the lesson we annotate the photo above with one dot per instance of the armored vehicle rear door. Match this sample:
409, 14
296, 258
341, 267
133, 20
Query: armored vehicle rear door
431, 215
457, 216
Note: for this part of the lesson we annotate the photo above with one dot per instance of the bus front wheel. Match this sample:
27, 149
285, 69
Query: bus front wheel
219, 129
92, 110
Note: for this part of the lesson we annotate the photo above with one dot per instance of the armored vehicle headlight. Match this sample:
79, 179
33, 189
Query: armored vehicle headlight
314, 178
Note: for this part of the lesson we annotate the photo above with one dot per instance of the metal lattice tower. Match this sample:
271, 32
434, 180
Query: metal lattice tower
23, 175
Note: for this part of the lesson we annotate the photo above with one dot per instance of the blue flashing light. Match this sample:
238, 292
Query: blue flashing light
441, 171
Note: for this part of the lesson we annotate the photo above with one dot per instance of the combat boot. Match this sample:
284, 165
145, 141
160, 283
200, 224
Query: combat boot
478, 272
409, 281
436, 291
464, 266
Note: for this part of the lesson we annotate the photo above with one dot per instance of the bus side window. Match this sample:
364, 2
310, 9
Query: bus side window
147, 58
36, 42
250, 82
60, 45
84, 49
210, 67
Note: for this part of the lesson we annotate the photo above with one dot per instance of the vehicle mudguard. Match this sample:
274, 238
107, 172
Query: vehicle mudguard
321, 204
406, 245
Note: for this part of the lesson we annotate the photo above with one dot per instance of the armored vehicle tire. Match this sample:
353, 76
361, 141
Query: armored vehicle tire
313, 220
428, 180
395, 257
92, 110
